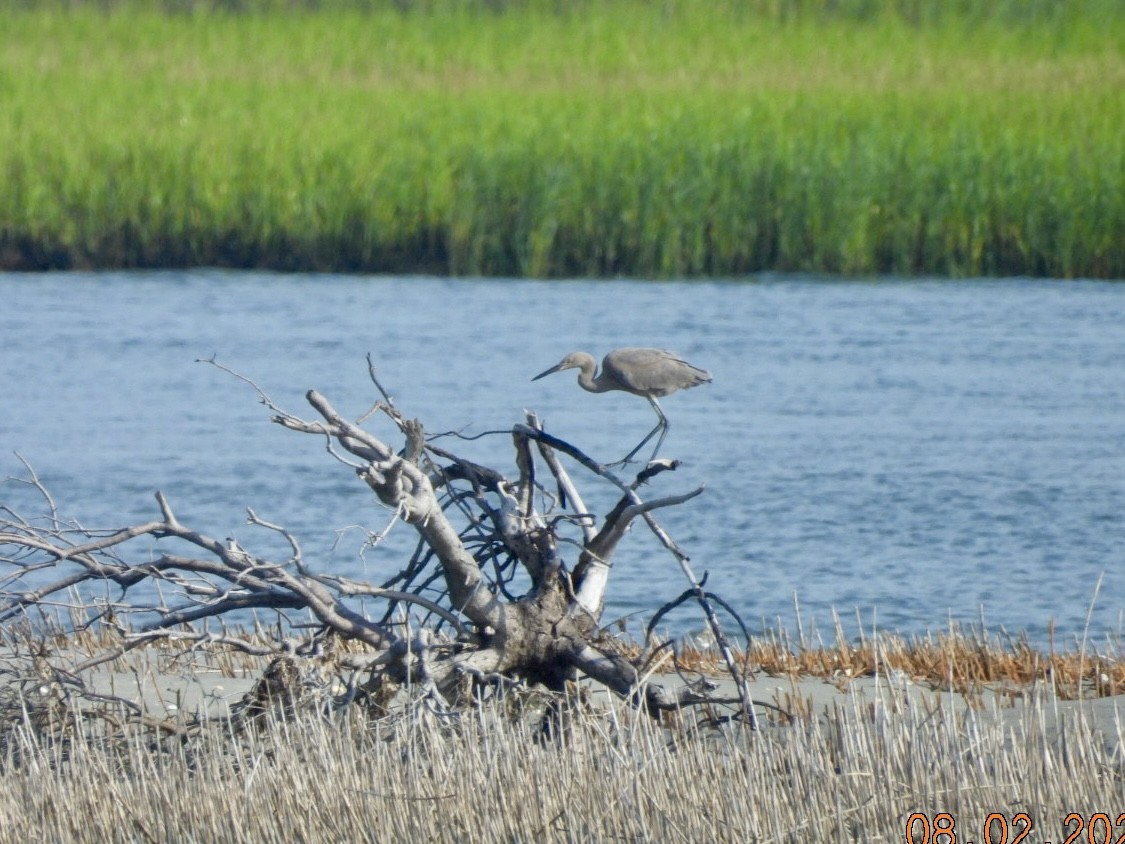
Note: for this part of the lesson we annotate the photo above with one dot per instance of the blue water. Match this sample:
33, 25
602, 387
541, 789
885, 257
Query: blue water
905, 453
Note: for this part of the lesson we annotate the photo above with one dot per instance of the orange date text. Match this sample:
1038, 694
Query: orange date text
998, 828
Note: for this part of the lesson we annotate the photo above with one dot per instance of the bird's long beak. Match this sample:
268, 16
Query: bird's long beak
550, 371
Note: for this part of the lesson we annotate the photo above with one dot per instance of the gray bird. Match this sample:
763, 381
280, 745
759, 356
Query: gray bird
652, 373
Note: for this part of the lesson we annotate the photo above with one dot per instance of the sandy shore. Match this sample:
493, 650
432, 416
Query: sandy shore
210, 693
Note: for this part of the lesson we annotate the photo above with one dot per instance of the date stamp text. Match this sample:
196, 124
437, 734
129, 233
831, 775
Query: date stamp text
998, 828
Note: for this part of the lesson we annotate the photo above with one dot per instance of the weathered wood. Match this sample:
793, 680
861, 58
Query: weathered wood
477, 530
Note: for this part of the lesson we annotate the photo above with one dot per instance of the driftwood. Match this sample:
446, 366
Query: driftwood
476, 529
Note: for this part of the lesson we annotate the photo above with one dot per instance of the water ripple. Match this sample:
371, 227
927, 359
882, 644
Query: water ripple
908, 452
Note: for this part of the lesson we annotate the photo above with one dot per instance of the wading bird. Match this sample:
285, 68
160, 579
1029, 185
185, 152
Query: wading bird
652, 373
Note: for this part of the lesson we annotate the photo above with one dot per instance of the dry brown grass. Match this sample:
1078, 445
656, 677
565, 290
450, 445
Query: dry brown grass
849, 775
852, 772
962, 661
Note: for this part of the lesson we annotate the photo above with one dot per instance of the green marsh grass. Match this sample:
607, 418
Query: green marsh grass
560, 139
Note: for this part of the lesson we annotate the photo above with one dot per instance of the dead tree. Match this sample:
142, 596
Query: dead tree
476, 528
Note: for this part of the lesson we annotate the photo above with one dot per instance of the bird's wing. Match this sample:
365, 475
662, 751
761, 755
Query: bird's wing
651, 372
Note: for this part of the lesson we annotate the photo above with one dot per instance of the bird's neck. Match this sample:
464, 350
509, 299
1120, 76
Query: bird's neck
593, 383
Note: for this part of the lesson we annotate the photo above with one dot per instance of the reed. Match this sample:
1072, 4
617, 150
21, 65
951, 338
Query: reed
966, 661
852, 775
566, 138
854, 771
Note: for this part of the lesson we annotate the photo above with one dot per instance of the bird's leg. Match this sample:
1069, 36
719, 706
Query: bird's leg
661, 426
628, 458
664, 425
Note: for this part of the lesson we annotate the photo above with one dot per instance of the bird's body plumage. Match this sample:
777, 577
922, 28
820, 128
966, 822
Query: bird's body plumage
651, 373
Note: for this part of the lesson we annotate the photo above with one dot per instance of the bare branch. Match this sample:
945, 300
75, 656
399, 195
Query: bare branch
488, 569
